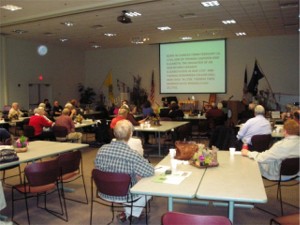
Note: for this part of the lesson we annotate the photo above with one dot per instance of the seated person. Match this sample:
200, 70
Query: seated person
57, 109
14, 112
270, 160
40, 124
47, 106
122, 114
118, 157
254, 126
175, 113
215, 115
4, 134
72, 110
65, 121
296, 116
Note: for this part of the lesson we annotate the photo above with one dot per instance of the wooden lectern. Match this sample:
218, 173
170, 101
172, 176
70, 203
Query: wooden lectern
235, 107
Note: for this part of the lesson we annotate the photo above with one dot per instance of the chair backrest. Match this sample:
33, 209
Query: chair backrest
289, 166
176, 218
42, 173
113, 184
28, 131
69, 162
60, 131
261, 142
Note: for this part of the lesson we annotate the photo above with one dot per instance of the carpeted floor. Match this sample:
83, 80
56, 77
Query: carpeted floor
80, 213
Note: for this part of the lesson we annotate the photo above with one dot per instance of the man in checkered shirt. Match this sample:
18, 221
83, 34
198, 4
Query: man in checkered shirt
118, 157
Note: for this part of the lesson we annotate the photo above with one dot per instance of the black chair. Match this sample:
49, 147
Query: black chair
176, 218
40, 179
261, 142
72, 169
112, 184
222, 137
29, 133
60, 133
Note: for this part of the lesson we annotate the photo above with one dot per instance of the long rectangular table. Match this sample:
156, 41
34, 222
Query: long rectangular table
41, 149
164, 127
236, 179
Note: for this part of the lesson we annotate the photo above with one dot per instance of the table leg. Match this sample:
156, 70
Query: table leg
231, 211
159, 153
170, 204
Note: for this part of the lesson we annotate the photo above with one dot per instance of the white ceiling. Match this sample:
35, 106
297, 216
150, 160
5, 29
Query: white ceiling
42, 20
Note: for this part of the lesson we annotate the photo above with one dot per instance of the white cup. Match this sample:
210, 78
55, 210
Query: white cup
173, 165
232, 151
172, 152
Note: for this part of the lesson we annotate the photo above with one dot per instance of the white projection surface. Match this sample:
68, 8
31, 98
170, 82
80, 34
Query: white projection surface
193, 67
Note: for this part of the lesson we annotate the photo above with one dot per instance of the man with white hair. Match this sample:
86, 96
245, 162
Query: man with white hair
118, 157
15, 112
39, 122
254, 126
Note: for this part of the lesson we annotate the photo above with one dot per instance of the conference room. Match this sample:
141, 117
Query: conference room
42, 57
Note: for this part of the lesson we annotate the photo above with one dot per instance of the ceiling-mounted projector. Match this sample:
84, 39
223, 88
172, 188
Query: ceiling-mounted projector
124, 18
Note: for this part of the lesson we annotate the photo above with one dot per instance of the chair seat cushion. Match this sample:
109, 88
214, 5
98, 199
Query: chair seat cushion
35, 189
69, 176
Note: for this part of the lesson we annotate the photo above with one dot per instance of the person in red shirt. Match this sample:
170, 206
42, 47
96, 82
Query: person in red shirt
40, 124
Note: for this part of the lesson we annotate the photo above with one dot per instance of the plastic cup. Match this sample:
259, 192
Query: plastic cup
172, 152
232, 151
174, 165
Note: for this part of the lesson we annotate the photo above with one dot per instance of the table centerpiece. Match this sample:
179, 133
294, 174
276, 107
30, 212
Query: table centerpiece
205, 157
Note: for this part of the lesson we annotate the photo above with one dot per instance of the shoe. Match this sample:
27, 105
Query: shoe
121, 217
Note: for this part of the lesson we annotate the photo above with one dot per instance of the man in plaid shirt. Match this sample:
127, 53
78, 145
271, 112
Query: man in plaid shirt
118, 157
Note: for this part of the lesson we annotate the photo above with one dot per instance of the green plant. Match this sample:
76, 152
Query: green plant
87, 94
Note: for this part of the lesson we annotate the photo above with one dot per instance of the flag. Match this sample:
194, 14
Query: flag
152, 88
256, 76
108, 82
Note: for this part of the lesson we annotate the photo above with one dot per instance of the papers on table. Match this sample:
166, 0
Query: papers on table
174, 178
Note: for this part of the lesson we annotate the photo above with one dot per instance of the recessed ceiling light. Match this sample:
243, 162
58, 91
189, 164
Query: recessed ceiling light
210, 3
11, 7
229, 22
63, 39
68, 24
20, 31
164, 28
95, 46
110, 34
132, 14
240, 34
186, 38
97, 26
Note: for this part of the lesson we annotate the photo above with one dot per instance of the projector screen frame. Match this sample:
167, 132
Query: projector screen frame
223, 41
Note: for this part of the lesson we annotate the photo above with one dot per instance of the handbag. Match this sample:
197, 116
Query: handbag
185, 149
8, 155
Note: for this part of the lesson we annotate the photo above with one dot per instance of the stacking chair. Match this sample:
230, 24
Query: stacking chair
176, 218
112, 184
293, 219
29, 132
60, 133
289, 167
72, 169
261, 142
40, 179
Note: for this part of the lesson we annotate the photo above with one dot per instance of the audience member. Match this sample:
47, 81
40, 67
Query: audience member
73, 112
122, 115
254, 126
247, 114
215, 115
296, 116
175, 113
48, 106
147, 109
118, 157
65, 121
270, 160
76, 106
57, 109
41, 124
4, 134
14, 112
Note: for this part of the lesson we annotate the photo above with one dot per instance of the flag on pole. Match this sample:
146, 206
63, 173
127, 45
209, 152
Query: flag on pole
256, 76
152, 88
108, 82
245, 88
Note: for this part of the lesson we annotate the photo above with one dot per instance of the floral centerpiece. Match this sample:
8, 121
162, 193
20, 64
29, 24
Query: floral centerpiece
21, 144
205, 157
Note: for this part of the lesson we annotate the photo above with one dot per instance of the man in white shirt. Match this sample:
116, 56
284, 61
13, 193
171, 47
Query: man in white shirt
270, 160
254, 126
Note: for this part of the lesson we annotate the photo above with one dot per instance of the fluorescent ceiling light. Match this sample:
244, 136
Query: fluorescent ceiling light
68, 24
132, 14
229, 22
164, 28
210, 3
63, 39
11, 7
240, 34
95, 46
186, 38
110, 34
